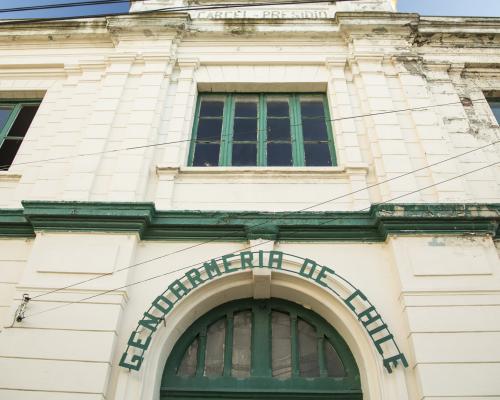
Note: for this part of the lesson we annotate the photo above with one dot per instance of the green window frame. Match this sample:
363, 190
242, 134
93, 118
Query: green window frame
494, 103
306, 132
259, 382
15, 119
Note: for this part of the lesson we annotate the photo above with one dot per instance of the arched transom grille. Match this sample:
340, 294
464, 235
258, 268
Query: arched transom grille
248, 346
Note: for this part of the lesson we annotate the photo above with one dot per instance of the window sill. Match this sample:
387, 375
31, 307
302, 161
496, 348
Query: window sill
273, 172
6, 176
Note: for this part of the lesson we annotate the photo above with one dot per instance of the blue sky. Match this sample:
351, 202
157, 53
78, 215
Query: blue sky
489, 8
101, 9
424, 7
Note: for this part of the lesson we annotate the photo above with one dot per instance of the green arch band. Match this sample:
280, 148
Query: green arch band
308, 269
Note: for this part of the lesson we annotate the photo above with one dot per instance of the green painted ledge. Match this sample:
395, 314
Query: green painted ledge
150, 224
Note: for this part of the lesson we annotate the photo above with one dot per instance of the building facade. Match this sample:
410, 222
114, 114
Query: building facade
267, 201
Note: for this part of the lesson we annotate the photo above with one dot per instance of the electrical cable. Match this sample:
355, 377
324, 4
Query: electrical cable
64, 5
173, 9
2, 167
264, 222
66, 304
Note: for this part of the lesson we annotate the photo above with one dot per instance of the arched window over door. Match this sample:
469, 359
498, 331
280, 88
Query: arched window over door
269, 349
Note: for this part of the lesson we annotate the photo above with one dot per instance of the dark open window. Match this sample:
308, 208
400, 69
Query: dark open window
262, 130
271, 348
15, 119
495, 107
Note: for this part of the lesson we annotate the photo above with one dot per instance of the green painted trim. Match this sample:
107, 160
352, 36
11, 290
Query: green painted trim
89, 216
264, 395
331, 136
142, 218
296, 135
195, 130
260, 382
14, 224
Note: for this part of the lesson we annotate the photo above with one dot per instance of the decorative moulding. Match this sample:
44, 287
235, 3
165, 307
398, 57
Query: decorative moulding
151, 224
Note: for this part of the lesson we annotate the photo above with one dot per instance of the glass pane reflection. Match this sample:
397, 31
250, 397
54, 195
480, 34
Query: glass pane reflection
242, 341
334, 365
190, 360
308, 350
281, 345
214, 355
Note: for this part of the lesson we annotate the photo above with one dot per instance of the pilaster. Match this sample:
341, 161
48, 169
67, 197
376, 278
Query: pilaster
347, 143
182, 114
66, 343
387, 141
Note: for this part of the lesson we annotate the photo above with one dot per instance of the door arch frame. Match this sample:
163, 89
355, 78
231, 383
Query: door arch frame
242, 284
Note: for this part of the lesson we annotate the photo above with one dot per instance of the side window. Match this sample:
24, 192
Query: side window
15, 119
495, 107
264, 129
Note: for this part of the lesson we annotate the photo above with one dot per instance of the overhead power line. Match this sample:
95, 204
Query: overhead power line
175, 9
66, 304
220, 136
229, 234
64, 5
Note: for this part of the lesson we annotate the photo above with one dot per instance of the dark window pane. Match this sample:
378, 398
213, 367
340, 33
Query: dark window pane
245, 109
8, 151
214, 356
244, 155
277, 108
278, 129
281, 344
245, 129
314, 129
317, 154
279, 154
211, 108
209, 129
312, 109
334, 365
4, 114
23, 121
495, 107
206, 155
242, 341
190, 360
308, 350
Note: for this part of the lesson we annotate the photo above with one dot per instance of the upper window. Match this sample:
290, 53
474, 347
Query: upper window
262, 130
495, 107
15, 119
273, 348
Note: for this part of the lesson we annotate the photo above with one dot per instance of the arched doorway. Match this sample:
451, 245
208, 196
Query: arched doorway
261, 349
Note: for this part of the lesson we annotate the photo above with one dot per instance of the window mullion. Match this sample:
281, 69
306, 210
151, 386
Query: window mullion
261, 340
200, 366
227, 132
262, 132
321, 355
296, 131
10, 121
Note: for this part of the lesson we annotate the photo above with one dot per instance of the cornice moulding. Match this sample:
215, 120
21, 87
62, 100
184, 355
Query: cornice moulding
233, 226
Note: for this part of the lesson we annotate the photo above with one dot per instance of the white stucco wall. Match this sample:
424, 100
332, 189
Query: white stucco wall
113, 84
